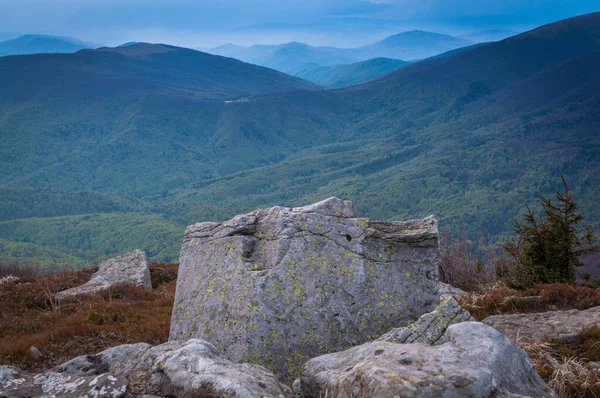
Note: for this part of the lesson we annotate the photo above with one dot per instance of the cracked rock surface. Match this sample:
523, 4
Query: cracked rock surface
431, 327
190, 369
130, 268
279, 286
474, 361
15, 384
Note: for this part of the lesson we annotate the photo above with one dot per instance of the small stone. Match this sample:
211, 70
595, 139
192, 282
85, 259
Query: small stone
297, 387
35, 352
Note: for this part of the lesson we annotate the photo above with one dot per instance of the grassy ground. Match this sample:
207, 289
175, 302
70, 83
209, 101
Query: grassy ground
62, 330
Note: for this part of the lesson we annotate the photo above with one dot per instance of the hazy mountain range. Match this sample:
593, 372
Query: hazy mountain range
294, 57
108, 150
36, 44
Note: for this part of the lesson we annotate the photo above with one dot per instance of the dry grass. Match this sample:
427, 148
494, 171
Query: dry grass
565, 366
62, 330
541, 298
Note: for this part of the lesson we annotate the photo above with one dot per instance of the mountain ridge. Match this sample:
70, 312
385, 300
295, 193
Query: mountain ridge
472, 136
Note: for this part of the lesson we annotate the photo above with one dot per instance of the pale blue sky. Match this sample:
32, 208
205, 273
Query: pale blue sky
203, 23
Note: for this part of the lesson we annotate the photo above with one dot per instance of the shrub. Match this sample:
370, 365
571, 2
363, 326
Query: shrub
463, 266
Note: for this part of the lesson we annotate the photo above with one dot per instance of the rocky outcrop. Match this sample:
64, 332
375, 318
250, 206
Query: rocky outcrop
474, 361
131, 268
539, 326
191, 369
279, 286
431, 327
15, 384
447, 291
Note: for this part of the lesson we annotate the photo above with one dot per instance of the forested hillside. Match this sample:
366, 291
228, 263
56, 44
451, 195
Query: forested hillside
169, 137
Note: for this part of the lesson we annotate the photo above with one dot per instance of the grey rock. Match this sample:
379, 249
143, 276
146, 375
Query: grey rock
52, 385
119, 361
190, 369
131, 268
194, 369
431, 327
35, 352
447, 291
539, 326
475, 361
279, 286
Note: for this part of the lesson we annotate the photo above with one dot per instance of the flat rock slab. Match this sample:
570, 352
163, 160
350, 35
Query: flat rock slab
52, 384
279, 286
131, 269
563, 325
475, 361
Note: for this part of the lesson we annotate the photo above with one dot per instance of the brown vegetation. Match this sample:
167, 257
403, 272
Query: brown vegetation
548, 297
64, 329
570, 368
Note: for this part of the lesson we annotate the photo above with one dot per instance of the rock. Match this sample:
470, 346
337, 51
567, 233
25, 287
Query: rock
475, 361
131, 268
191, 369
14, 384
538, 326
194, 369
120, 361
529, 301
279, 286
447, 291
431, 327
35, 352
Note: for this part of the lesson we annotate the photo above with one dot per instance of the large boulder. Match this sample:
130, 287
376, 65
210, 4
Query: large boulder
127, 269
563, 325
190, 369
279, 286
474, 361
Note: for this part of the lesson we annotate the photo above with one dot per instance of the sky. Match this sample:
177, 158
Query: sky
207, 23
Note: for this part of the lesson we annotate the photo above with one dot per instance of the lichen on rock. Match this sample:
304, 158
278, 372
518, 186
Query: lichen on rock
279, 286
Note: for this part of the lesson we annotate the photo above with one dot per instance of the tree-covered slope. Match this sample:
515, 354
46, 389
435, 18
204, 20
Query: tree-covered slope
340, 76
98, 236
470, 137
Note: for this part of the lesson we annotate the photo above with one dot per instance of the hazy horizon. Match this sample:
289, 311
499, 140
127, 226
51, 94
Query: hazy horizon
210, 23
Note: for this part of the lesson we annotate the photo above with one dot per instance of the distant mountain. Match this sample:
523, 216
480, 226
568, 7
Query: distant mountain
129, 43
471, 136
135, 71
294, 58
37, 44
289, 58
490, 35
340, 76
342, 32
413, 45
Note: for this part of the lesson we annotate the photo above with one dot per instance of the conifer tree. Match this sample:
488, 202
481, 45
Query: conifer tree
549, 245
